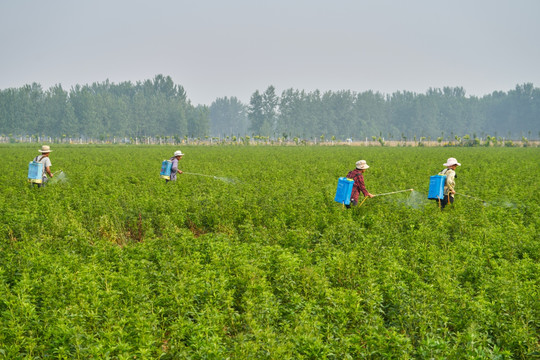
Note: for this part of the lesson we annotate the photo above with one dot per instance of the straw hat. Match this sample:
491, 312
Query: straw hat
451, 161
178, 153
45, 149
361, 165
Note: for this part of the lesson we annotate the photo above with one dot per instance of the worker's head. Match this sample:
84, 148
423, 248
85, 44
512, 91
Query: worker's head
362, 165
178, 154
45, 150
452, 163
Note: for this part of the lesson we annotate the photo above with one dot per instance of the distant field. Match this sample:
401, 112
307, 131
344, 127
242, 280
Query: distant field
256, 260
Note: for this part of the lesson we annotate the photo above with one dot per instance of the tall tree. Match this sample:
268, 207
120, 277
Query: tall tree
198, 124
256, 113
58, 113
269, 107
228, 117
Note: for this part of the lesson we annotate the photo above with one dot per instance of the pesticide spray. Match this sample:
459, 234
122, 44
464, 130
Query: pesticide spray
506, 204
472, 197
59, 177
417, 200
224, 179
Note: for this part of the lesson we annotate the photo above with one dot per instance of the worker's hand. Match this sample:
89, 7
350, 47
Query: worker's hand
179, 171
370, 195
453, 191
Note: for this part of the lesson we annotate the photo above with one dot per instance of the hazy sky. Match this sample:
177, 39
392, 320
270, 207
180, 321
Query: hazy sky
232, 48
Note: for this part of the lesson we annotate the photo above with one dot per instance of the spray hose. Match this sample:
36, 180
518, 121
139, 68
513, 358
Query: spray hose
188, 173
471, 197
225, 179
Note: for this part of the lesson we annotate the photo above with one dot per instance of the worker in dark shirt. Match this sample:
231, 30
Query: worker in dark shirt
174, 168
359, 186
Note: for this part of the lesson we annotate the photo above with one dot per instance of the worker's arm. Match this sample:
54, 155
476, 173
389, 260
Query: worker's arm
450, 182
362, 187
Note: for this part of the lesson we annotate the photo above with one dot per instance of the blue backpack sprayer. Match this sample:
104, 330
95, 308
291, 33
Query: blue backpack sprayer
35, 172
165, 172
344, 191
436, 188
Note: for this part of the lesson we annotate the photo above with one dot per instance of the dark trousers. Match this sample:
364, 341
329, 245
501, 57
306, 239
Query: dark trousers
446, 200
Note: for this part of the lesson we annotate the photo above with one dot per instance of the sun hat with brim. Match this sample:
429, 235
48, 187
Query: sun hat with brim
451, 162
45, 149
178, 153
361, 165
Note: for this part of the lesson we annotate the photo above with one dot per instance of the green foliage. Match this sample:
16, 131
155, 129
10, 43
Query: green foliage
159, 107
101, 110
228, 116
114, 263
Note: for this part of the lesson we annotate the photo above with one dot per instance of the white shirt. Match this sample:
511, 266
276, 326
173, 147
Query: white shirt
450, 182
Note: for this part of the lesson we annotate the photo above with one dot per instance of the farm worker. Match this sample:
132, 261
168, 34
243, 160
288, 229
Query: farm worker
450, 172
44, 159
358, 177
174, 169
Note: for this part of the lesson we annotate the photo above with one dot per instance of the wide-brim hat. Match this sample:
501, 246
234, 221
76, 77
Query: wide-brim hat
45, 149
362, 165
451, 162
178, 153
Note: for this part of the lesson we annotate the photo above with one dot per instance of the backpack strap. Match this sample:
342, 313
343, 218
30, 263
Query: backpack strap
445, 171
354, 176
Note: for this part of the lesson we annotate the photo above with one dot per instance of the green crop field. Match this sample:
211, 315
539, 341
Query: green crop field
256, 260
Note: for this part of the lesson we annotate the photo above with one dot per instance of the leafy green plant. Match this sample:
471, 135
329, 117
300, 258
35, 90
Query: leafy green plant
114, 263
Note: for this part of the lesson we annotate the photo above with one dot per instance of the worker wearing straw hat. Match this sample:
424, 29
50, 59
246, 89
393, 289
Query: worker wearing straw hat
44, 159
450, 172
359, 185
174, 169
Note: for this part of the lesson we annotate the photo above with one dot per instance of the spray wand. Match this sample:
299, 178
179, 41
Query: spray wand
229, 180
393, 192
183, 172
388, 193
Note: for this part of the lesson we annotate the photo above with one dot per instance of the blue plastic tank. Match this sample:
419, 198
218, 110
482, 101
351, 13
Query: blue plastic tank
344, 190
35, 172
436, 187
166, 166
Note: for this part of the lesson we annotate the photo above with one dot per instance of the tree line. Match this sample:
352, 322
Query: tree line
439, 113
152, 107
158, 107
